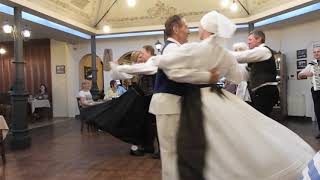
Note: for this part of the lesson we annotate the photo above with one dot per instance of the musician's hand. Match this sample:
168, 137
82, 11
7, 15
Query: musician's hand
305, 75
215, 75
310, 74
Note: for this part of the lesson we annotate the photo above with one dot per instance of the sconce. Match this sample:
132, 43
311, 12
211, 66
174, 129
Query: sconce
158, 45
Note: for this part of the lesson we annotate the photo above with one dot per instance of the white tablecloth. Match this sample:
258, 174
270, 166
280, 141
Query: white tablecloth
36, 103
3, 127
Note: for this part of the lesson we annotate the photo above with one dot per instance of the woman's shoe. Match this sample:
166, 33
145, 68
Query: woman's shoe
136, 152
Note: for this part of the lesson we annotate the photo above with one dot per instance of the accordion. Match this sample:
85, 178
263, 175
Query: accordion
316, 78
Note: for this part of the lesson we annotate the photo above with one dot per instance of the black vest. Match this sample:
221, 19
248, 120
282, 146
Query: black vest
165, 85
262, 72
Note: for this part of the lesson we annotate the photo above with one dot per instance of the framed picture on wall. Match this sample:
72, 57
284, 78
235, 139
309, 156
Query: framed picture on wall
301, 64
60, 69
301, 53
87, 73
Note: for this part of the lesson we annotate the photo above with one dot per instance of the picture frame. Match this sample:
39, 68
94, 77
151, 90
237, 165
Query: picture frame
60, 69
107, 58
301, 54
87, 73
301, 64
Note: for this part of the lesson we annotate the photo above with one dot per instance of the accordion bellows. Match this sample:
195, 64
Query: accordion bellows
316, 78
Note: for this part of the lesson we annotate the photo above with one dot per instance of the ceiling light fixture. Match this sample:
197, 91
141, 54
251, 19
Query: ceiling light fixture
106, 28
7, 28
158, 45
131, 3
224, 3
26, 33
234, 6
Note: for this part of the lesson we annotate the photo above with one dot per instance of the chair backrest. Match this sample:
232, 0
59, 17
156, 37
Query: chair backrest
5, 98
79, 103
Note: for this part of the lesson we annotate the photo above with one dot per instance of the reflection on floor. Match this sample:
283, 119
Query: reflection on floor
47, 122
60, 151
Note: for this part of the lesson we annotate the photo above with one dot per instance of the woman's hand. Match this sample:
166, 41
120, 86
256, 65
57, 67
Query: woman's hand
215, 75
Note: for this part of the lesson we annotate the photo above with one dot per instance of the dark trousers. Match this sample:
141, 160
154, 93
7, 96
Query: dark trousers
264, 98
150, 129
316, 102
149, 132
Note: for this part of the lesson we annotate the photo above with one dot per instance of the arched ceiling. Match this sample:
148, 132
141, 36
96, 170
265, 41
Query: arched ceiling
147, 14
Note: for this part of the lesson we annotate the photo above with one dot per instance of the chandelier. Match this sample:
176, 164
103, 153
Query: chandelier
10, 30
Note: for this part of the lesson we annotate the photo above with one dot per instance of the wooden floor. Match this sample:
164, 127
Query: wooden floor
60, 151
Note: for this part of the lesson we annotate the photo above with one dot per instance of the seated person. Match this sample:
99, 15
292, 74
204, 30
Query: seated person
85, 94
120, 89
115, 90
43, 92
112, 92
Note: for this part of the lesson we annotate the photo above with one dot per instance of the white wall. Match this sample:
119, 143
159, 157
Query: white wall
64, 89
59, 81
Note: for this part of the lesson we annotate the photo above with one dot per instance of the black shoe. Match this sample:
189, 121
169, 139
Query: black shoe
318, 136
136, 152
156, 155
148, 150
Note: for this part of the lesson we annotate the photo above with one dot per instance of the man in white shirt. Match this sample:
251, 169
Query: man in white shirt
262, 68
309, 71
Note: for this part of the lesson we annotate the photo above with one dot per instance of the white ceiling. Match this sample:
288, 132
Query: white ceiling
39, 32
150, 12
147, 14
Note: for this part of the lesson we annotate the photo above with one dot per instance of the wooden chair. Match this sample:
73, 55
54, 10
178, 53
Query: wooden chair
82, 120
3, 151
80, 117
5, 110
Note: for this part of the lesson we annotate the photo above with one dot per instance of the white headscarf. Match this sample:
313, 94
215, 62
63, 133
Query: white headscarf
218, 24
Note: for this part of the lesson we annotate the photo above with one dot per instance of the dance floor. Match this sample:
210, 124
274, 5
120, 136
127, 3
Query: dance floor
60, 151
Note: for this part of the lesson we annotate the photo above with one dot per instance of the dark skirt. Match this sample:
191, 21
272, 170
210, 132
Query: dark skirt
126, 118
191, 138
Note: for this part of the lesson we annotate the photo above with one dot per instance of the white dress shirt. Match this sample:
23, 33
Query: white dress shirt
165, 103
257, 54
197, 59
